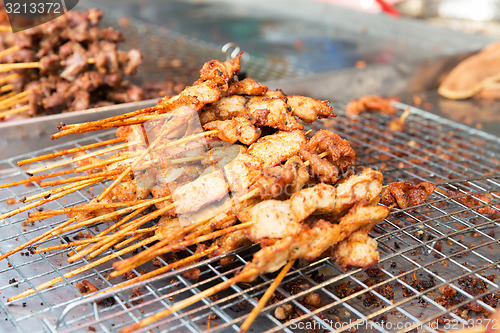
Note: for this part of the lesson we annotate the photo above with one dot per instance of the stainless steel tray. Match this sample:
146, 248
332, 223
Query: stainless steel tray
432, 149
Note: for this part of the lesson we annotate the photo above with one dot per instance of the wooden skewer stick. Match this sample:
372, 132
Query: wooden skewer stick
117, 123
81, 242
405, 114
182, 245
187, 159
48, 193
65, 172
29, 65
128, 241
66, 245
201, 239
21, 65
183, 231
111, 119
77, 271
7, 87
267, 295
11, 101
69, 151
103, 174
44, 201
85, 207
11, 49
36, 239
6, 96
110, 215
116, 225
113, 239
82, 157
20, 109
116, 237
163, 269
191, 300
17, 97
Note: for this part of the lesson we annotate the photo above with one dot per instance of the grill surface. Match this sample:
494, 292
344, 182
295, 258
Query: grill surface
440, 242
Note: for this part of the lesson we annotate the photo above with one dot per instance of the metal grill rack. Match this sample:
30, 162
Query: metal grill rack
441, 243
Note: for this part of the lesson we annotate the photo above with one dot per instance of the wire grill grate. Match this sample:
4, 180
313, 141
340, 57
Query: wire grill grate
442, 243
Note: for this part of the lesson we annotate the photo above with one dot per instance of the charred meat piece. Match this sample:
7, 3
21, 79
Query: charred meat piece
370, 103
475, 200
406, 194
340, 155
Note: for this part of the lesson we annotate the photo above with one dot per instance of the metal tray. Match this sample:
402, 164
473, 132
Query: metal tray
433, 149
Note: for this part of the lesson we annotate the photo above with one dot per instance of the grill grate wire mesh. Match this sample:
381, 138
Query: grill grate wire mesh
441, 242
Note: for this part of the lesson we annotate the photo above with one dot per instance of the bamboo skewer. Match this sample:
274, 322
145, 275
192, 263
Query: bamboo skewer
146, 253
267, 295
11, 101
29, 65
15, 99
48, 193
82, 157
22, 65
109, 215
36, 239
67, 128
105, 244
65, 245
117, 224
82, 242
102, 174
113, 124
85, 207
5, 28
44, 201
182, 245
128, 241
108, 242
70, 151
7, 87
20, 109
163, 269
11, 49
64, 172
77, 271
6, 96
191, 300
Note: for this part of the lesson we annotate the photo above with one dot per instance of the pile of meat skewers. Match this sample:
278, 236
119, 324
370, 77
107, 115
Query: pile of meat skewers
67, 64
223, 164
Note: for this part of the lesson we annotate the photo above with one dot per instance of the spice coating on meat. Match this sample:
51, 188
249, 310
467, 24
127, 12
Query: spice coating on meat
404, 194
247, 86
359, 250
340, 155
309, 109
475, 200
236, 129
